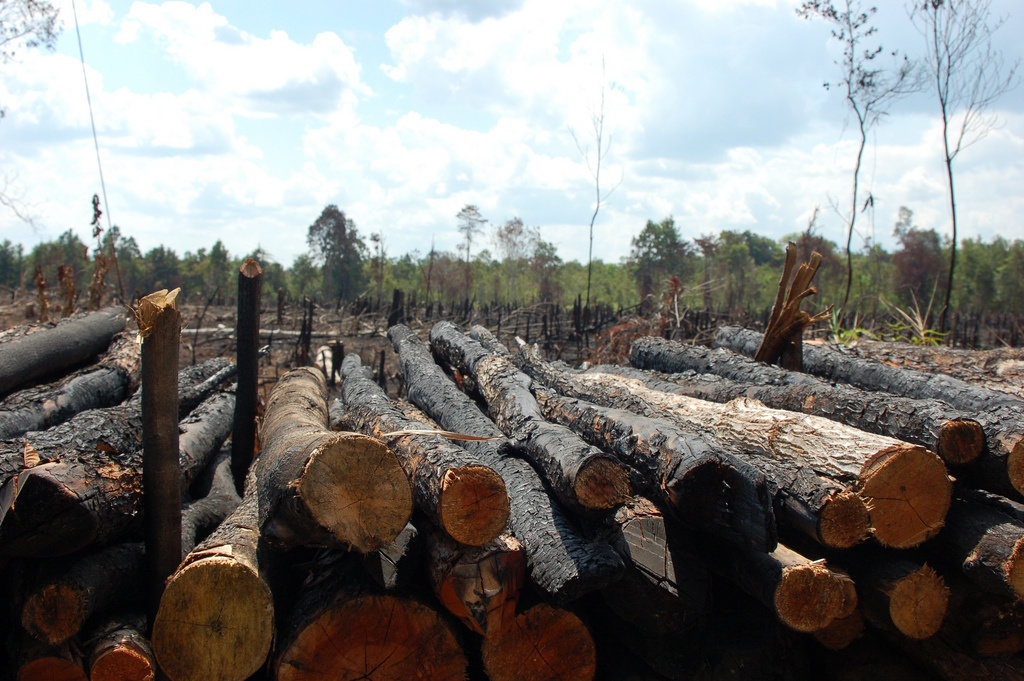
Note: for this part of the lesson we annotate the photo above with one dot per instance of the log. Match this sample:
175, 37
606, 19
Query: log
108, 382
51, 351
708, 489
562, 563
39, 662
981, 623
90, 491
160, 330
341, 629
119, 651
392, 565
1001, 415
319, 487
929, 423
581, 475
479, 585
986, 545
905, 487
542, 644
949, 662
216, 616
220, 499
842, 631
243, 442
804, 594
899, 593
452, 487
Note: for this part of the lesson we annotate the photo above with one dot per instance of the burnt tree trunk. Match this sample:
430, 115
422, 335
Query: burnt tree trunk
562, 563
319, 487
216, 617
201, 516
247, 340
104, 384
457, 492
905, 486
582, 475
986, 545
51, 351
929, 423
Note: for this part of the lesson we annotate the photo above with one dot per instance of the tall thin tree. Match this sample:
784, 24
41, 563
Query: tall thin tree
967, 75
868, 87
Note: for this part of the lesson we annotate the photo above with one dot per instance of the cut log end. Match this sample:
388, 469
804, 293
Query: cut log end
54, 613
960, 441
1014, 568
376, 638
809, 597
842, 631
474, 504
602, 483
1015, 461
918, 602
355, 488
542, 644
908, 492
215, 622
844, 521
51, 669
124, 663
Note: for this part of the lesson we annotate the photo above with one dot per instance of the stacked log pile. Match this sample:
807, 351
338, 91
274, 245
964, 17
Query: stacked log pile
697, 516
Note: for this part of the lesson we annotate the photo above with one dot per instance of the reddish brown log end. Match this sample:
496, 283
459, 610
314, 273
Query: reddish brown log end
960, 441
216, 622
53, 614
51, 669
123, 663
808, 597
842, 631
844, 520
483, 592
602, 483
473, 508
908, 493
1014, 444
543, 644
918, 602
375, 638
355, 488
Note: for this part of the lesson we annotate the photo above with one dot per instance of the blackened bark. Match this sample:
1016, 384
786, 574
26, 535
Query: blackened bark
51, 351
247, 340
582, 475
985, 544
562, 564
203, 515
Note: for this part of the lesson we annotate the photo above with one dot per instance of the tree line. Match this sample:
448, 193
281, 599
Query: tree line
509, 264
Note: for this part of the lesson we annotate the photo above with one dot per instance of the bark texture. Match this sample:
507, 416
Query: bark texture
319, 487
450, 485
986, 545
51, 351
247, 340
562, 563
929, 423
581, 474
108, 382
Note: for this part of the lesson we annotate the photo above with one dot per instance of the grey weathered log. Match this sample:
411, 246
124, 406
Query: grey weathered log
452, 487
929, 423
50, 351
582, 475
1000, 414
107, 382
203, 515
395, 564
88, 487
562, 563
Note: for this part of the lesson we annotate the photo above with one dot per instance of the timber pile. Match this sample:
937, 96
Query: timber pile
514, 518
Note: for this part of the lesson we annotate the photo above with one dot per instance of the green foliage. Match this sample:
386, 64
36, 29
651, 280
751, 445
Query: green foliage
335, 245
657, 253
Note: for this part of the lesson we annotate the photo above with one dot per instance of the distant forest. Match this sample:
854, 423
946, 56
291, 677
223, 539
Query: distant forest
509, 264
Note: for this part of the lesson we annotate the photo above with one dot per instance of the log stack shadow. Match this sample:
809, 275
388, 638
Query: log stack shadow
699, 515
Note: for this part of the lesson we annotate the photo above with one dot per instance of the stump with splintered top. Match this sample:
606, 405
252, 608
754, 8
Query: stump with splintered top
320, 487
247, 337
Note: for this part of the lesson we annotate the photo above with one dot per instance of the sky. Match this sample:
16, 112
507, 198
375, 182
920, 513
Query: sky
241, 121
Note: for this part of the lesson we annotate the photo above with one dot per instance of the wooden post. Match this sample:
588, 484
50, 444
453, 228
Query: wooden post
247, 337
160, 329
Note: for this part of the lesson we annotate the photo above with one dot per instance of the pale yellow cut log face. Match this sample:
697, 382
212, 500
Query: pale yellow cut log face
1015, 460
809, 597
215, 622
844, 521
918, 602
374, 638
603, 483
474, 505
908, 493
355, 488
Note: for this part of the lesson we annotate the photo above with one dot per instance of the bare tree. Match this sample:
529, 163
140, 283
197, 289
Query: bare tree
967, 76
868, 88
602, 145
